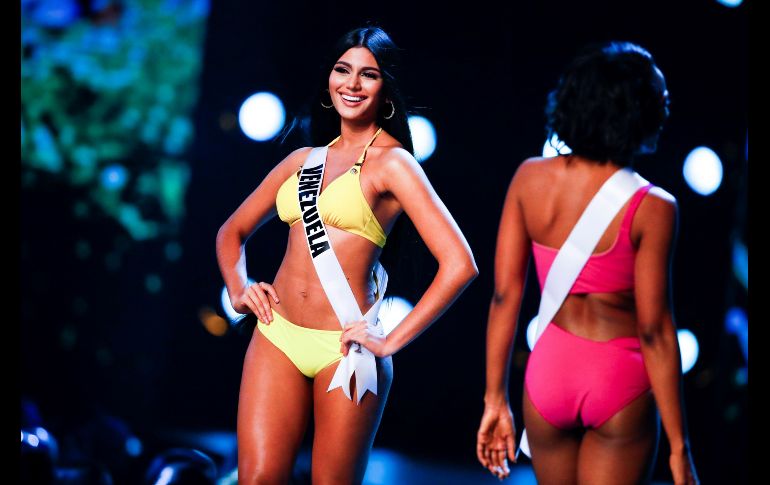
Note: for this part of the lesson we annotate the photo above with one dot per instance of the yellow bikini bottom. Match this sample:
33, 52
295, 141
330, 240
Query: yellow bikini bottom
310, 350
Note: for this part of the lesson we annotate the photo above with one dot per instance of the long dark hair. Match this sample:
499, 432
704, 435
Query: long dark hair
325, 123
404, 255
609, 104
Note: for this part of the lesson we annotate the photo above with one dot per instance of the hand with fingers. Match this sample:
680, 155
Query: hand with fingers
254, 299
496, 440
362, 334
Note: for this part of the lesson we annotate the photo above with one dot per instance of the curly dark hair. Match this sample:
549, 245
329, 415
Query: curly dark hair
609, 104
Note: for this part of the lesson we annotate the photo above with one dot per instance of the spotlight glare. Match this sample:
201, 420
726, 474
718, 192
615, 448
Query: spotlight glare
423, 137
688, 346
703, 170
730, 3
114, 177
261, 116
737, 323
227, 306
554, 147
166, 475
133, 446
393, 311
41, 433
531, 331
736, 320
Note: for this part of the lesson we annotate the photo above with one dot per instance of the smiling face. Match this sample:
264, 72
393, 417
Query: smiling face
355, 85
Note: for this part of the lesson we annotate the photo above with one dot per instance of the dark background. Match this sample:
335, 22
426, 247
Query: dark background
480, 72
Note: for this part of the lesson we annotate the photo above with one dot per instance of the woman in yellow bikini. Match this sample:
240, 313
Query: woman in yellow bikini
346, 196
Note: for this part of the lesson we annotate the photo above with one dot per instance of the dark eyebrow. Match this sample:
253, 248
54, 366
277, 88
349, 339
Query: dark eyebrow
369, 68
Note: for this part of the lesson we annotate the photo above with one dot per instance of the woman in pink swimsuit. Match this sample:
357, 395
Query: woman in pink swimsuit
610, 354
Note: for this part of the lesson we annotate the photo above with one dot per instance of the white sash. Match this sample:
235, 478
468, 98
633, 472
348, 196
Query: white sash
580, 243
360, 361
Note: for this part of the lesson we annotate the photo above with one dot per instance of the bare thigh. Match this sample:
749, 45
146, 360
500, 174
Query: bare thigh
273, 413
554, 450
344, 430
622, 450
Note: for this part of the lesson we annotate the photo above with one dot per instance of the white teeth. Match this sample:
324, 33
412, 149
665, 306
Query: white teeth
352, 98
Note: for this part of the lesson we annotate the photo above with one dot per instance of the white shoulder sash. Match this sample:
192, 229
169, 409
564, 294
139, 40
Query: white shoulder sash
360, 361
581, 242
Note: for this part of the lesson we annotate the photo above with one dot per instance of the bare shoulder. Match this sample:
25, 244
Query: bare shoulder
657, 211
660, 196
295, 159
388, 157
395, 160
659, 201
533, 166
532, 174
290, 164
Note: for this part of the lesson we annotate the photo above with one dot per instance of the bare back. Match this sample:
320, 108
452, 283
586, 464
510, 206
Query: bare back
552, 198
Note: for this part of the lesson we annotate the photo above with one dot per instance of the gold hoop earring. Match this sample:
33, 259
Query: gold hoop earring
322, 101
392, 112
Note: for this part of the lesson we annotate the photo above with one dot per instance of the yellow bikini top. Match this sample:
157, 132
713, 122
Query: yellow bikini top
341, 204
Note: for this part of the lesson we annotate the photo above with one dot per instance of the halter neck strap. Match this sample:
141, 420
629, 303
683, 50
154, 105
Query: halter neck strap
366, 147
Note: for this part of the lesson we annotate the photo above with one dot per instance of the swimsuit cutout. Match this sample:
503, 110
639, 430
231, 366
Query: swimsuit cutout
573, 381
606, 272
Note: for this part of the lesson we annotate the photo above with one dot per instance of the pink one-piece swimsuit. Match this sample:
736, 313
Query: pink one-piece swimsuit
577, 382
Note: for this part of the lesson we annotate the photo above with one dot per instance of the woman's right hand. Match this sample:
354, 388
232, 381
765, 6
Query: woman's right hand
253, 299
496, 438
682, 468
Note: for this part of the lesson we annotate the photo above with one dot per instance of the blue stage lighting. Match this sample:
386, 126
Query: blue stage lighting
737, 323
531, 331
42, 433
181, 465
56, 13
114, 177
261, 116
33, 440
688, 348
165, 476
423, 137
133, 446
741, 263
703, 170
554, 147
392, 311
730, 3
227, 306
